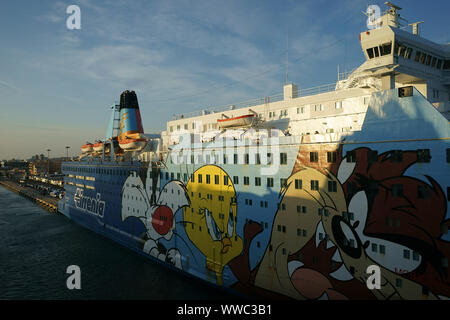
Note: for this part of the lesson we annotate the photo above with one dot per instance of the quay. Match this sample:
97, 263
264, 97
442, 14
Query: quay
48, 203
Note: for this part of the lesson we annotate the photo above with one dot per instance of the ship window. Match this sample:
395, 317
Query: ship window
397, 190
370, 53
235, 158
283, 158
216, 179
372, 156
172, 176
422, 58
423, 192
351, 156
257, 159
417, 57
389, 222
167, 176
401, 51
246, 181
408, 53
236, 180
446, 65
246, 158
269, 158
298, 183
270, 182
185, 126
428, 60
314, 184
225, 180
444, 229
332, 186
376, 51
224, 159
199, 178
397, 156
385, 48
332, 157
373, 188
423, 155
439, 62
374, 247
257, 181
313, 156
208, 179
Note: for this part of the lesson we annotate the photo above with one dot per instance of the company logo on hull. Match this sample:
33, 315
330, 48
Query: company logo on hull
90, 205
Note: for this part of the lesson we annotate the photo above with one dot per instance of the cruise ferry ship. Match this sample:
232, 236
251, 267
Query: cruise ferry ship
296, 196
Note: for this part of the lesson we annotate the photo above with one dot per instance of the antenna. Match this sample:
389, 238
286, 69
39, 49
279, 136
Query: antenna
287, 54
415, 27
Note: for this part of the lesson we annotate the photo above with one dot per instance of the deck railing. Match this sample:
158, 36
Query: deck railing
254, 102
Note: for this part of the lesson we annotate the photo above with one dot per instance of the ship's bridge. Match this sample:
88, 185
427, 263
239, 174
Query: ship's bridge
396, 57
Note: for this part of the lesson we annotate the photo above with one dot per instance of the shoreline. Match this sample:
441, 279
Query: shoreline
46, 203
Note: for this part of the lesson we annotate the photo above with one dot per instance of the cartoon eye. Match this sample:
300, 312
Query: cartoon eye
346, 237
213, 230
230, 223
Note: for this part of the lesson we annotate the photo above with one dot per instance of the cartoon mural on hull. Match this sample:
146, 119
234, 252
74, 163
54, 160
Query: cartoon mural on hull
156, 208
332, 222
331, 226
210, 220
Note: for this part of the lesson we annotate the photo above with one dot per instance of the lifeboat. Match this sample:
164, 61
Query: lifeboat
88, 147
98, 146
132, 144
241, 121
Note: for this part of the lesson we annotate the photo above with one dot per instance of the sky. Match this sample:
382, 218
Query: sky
57, 85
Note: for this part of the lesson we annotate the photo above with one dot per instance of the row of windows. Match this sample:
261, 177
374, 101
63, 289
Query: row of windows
423, 155
404, 51
97, 170
246, 159
378, 51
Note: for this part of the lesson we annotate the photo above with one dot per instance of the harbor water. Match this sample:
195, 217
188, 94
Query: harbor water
37, 246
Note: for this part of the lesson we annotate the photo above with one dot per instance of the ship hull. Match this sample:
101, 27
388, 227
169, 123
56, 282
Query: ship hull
334, 209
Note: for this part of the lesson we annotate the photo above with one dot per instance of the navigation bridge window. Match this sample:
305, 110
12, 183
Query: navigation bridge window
381, 50
402, 51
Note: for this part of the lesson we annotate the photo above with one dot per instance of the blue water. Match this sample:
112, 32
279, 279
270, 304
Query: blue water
36, 247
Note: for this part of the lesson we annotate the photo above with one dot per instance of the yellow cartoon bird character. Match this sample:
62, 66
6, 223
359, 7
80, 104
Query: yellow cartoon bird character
210, 220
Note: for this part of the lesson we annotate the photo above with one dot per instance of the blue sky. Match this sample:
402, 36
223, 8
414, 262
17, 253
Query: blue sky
56, 85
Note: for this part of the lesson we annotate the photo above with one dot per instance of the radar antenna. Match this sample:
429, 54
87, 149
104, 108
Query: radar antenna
415, 27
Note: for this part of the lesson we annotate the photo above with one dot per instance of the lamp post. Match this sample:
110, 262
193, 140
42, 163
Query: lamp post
48, 161
67, 152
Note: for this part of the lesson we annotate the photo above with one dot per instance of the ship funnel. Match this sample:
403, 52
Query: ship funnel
130, 117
